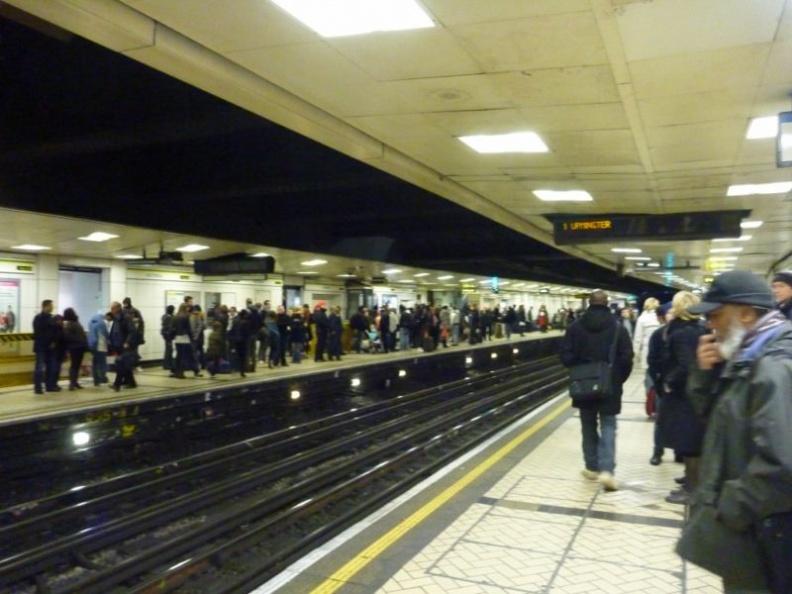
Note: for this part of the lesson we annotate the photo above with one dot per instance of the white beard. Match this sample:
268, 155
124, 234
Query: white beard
730, 343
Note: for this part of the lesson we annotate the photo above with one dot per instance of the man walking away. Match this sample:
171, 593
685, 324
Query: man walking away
587, 340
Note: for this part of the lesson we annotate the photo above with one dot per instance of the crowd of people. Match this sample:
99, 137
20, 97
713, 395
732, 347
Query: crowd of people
227, 339
719, 368
236, 340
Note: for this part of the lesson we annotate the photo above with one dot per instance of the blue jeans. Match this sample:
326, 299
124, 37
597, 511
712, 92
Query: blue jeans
99, 367
599, 447
297, 352
404, 339
46, 370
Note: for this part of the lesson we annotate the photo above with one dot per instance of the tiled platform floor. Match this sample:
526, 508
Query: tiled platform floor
542, 528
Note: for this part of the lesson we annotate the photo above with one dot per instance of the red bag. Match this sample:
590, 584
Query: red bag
651, 408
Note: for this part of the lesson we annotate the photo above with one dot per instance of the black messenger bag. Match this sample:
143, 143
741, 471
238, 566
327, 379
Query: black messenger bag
593, 381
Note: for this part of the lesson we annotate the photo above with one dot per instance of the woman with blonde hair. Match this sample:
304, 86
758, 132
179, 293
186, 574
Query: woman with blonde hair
681, 429
646, 323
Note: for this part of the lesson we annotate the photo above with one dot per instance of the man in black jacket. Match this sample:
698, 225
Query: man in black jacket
124, 340
590, 339
44, 342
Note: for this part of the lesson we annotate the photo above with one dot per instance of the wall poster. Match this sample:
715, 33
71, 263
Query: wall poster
9, 305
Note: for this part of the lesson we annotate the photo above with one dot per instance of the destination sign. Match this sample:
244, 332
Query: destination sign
581, 229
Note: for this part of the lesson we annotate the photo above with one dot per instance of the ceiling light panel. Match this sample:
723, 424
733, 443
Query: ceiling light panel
751, 224
314, 262
515, 142
341, 18
766, 127
98, 236
563, 195
753, 189
30, 247
192, 247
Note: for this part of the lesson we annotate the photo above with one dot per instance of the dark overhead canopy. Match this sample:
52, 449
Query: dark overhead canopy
89, 133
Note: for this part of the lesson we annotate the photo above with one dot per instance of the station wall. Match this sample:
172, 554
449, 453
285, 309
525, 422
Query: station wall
27, 280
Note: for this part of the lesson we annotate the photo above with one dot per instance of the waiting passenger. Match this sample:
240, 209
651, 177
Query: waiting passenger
124, 343
782, 292
335, 329
239, 339
321, 324
297, 336
98, 343
47, 368
166, 331
656, 360
76, 345
680, 426
590, 338
216, 348
740, 524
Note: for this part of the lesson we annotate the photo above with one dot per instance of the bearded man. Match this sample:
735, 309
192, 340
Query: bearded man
740, 523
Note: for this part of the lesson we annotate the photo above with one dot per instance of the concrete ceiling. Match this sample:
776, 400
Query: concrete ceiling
645, 104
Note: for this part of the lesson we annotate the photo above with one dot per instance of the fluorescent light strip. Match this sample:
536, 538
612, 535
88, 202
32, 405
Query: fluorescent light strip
766, 127
732, 250
192, 247
314, 262
751, 224
626, 250
31, 247
563, 195
515, 142
754, 189
340, 18
740, 238
98, 236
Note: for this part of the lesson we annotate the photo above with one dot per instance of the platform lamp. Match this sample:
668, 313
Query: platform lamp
784, 140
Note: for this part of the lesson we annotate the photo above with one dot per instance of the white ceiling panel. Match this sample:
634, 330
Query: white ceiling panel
459, 12
676, 27
401, 55
691, 108
448, 94
732, 68
530, 44
582, 85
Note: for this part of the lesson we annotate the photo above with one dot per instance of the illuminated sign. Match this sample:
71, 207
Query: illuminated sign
581, 229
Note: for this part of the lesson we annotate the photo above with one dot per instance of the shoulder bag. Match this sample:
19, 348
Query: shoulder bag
593, 381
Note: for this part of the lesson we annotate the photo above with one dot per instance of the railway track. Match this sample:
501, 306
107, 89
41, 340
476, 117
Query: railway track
225, 520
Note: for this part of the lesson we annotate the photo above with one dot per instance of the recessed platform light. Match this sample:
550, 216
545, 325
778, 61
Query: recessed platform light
260, 255
638, 258
30, 247
314, 262
766, 127
98, 236
129, 257
445, 277
339, 18
420, 274
740, 238
563, 195
467, 280
753, 189
731, 250
626, 250
192, 247
391, 271
515, 142
751, 224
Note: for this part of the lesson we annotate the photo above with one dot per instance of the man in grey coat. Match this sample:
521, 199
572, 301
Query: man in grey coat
741, 514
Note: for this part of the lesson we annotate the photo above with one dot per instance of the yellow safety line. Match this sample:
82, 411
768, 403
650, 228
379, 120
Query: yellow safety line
357, 563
